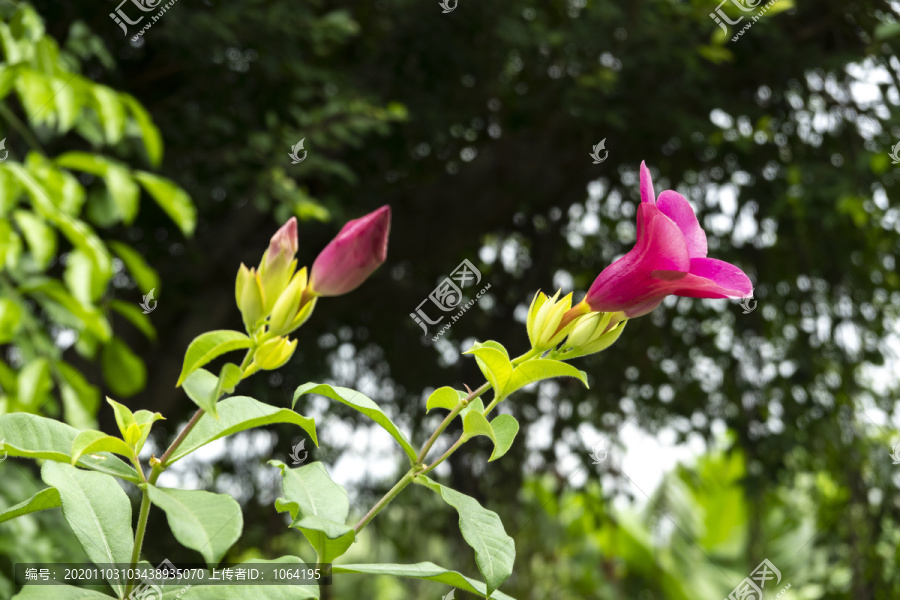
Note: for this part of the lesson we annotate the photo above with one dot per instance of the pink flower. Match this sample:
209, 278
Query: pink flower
668, 258
359, 249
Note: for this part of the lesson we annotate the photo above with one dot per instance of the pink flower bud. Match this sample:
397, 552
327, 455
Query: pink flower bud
284, 241
359, 249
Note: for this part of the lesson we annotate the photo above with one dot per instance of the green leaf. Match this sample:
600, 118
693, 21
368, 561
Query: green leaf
172, 199
319, 508
60, 592
444, 397
80, 398
10, 190
207, 346
541, 368
34, 384
505, 429
123, 370
44, 499
97, 510
359, 402
239, 413
203, 521
53, 295
41, 237
135, 316
496, 367
427, 571
10, 319
79, 233
33, 436
475, 423
143, 420
35, 93
144, 275
83, 278
7, 79
111, 113
125, 192
122, 189
149, 132
482, 529
205, 389
92, 441
494, 345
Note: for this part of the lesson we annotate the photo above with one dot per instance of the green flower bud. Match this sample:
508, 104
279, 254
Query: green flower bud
288, 305
278, 264
544, 318
273, 354
593, 333
249, 296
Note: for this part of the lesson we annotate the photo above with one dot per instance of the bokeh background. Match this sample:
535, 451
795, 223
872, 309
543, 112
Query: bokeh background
729, 437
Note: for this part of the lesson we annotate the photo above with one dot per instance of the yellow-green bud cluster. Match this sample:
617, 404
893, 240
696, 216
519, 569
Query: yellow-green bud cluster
592, 333
274, 300
544, 318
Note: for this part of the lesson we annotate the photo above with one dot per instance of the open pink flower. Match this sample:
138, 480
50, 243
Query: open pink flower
668, 258
359, 249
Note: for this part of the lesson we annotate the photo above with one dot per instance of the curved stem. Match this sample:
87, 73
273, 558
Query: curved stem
447, 420
445, 455
527, 356
392, 493
177, 442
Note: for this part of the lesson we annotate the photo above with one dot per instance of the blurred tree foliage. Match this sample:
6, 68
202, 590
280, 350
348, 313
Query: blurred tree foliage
59, 277
476, 126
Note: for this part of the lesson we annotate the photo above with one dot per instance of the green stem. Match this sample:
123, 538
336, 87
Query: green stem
177, 442
392, 493
447, 420
527, 356
445, 455
139, 535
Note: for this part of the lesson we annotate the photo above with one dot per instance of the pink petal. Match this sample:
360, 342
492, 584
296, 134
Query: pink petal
629, 281
712, 278
677, 208
647, 194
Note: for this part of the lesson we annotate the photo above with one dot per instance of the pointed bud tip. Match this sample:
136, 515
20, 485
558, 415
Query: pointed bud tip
284, 240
